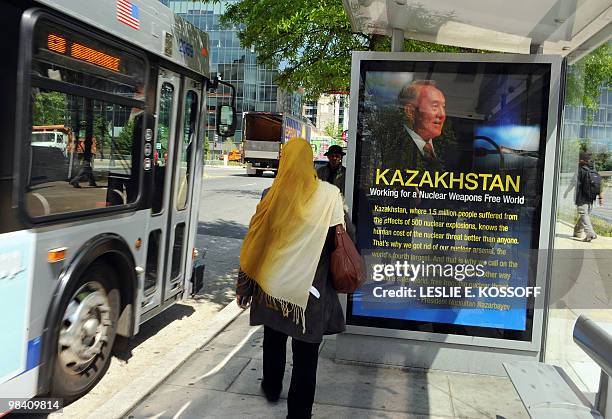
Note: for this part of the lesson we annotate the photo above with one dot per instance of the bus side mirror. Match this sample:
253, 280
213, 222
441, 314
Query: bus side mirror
226, 120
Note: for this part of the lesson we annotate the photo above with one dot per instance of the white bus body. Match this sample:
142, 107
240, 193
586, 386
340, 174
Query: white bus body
99, 238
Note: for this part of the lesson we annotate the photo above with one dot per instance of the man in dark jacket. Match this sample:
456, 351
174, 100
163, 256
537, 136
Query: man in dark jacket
583, 199
333, 172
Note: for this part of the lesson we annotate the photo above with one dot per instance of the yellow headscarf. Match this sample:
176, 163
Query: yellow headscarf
287, 233
283, 208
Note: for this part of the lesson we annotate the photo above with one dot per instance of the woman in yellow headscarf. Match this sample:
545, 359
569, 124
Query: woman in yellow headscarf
284, 265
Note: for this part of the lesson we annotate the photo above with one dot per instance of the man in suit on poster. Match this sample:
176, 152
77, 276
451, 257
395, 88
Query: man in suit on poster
424, 106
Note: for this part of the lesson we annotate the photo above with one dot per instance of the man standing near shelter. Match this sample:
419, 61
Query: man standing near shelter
333, 172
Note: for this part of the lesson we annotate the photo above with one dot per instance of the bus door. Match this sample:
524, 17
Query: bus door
180, 206
168, 116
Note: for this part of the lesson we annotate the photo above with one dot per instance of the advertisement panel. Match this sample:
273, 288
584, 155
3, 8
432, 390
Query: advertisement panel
447, 195
16, 252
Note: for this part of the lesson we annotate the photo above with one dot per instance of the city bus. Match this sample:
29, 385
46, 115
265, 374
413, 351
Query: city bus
99, 238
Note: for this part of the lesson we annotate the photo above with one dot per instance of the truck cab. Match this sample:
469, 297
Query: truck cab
51, 136
261, 142
264, 133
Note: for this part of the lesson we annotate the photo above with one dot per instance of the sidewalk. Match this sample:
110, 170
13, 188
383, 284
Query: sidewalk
564, 239
134, 357
581, 283
222, 380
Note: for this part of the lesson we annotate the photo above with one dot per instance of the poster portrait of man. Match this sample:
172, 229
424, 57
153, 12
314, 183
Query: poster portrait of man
424, 106
449, 170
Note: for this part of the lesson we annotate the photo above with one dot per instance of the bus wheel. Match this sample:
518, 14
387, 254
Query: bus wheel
86, 334
259, 173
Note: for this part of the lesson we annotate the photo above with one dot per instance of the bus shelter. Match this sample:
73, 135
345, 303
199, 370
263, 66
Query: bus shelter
460, 171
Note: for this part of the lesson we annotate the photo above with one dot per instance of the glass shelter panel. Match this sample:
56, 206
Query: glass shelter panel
581, 280
447, 195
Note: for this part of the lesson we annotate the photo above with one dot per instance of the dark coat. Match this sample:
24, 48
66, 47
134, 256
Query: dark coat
324, 315
580, 182
339, 178
413, 159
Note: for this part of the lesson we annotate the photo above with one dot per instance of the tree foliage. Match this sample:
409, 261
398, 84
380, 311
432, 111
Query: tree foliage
50, 108
587, 75
311, 41
228, 146
102, 132
206, 146
124, 141
333, 130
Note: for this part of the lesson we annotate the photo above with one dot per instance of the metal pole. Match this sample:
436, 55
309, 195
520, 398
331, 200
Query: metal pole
597, 344
604, 395
595, 341
397, 40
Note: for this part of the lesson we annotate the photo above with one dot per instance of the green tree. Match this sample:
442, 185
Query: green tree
123, 142
333, 130
228, 145
313, 40
163, 135
602, 161
50, 108
586, 77
310, 40
206, 147
101, 133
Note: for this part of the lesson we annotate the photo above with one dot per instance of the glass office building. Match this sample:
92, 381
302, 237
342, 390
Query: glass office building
256, 90
594, 130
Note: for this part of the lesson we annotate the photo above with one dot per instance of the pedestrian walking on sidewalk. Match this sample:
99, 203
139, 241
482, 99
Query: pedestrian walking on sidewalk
284, 266
588, 188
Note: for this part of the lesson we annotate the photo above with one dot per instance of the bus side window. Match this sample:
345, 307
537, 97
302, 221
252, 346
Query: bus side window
189, 132
84, 148
164, 128
96, 170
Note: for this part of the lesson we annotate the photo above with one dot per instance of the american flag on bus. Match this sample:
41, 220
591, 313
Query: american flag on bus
127, 12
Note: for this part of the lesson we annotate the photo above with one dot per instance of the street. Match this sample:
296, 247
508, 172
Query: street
229, 198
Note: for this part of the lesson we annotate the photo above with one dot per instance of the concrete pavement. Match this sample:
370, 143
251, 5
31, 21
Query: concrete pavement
222, 380
228, 200
121, 402
581, 284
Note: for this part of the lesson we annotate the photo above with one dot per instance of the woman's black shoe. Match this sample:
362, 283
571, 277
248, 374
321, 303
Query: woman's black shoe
271, 396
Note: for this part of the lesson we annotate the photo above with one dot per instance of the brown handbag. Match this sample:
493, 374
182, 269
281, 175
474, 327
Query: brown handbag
347, 267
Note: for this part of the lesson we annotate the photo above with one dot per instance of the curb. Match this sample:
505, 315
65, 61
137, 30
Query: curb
124, 401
